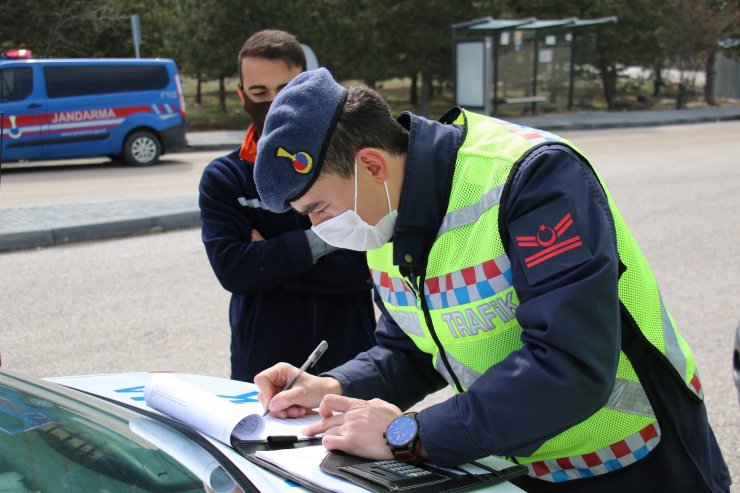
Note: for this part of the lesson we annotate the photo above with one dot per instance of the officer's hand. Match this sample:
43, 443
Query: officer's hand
306, 393
355, 426
257, 236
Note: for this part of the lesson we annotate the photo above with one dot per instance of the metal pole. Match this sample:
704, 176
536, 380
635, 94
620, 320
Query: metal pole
572, 68
496, 40
534, 69
454, 65
136, 33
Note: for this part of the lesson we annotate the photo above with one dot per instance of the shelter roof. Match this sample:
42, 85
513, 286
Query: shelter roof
491, 24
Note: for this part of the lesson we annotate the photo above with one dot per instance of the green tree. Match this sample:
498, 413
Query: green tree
633, 39
348, 37
59, 28
207, 38
68, 28
693, 31
207, 34
426, 53
374, 40
158, 19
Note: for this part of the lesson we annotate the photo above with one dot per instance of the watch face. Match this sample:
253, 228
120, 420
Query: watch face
401, 431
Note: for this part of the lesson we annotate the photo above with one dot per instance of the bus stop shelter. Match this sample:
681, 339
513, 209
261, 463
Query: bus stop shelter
516, 61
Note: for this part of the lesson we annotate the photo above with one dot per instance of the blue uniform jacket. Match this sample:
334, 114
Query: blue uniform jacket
572, 331
282, 304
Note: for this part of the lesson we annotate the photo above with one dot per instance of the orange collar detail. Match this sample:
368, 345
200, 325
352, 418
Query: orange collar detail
248, 151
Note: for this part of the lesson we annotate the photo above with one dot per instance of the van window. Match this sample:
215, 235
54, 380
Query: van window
66, 81
15, 84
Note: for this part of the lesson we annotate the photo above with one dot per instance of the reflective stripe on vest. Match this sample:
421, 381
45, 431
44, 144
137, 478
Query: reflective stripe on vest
393, 290
626, 396
470, 214
608, 459
470, 284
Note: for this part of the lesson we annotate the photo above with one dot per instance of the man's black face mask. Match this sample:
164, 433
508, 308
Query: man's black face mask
257, 113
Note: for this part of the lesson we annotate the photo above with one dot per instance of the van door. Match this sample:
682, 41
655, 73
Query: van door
24, 113
95, 104
82, 110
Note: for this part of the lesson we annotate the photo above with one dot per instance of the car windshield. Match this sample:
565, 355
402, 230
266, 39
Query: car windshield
56, 441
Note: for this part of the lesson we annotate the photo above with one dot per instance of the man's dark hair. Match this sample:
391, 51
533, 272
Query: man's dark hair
365, 121
273, 44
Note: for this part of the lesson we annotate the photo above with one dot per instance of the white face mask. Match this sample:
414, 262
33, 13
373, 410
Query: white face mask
349, 231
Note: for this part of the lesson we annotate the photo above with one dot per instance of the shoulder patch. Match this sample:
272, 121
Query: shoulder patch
548, 240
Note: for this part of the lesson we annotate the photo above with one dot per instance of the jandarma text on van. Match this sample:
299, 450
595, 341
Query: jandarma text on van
79, 116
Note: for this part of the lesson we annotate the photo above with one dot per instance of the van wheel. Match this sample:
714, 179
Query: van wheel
142, 148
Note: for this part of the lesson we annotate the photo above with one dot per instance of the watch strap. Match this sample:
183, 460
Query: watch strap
408, 456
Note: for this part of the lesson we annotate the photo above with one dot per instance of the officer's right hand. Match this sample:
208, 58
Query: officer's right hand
257, 236
306, 394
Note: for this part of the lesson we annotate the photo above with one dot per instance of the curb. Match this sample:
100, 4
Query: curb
22, 240
603, 120
226, 146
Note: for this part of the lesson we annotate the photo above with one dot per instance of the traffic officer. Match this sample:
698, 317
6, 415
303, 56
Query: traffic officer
503, 268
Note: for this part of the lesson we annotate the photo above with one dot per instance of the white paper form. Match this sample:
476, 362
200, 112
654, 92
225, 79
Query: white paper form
215, 416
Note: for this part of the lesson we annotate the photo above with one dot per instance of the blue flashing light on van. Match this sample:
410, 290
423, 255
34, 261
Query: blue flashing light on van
131, 109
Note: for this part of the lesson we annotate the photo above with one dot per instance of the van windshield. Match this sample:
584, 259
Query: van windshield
83, 80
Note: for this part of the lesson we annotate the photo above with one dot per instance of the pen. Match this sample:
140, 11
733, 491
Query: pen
312, 359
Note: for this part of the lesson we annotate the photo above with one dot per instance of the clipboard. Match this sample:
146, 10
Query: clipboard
370, 475
248, 450
249, 447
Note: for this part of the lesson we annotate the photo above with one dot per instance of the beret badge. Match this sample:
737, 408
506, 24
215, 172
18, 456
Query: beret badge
302, 161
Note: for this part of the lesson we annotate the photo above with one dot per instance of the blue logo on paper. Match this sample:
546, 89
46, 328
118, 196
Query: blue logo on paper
242, 398
236, 399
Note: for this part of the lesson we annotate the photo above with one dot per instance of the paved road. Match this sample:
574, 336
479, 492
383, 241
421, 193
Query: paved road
82, 181
151, 302
43, 225
46, 203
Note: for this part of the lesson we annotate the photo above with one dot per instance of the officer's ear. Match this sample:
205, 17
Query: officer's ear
375, 162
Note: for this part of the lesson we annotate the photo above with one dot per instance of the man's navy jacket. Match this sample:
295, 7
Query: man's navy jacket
282, 304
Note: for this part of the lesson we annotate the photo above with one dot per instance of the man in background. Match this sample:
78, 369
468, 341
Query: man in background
290, 290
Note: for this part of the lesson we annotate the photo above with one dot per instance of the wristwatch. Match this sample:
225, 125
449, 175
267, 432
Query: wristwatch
402, 436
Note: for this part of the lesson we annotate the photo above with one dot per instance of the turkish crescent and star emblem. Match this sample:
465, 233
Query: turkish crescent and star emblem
548, 239
302, 161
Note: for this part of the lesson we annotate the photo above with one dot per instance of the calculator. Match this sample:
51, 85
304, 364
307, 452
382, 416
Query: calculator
394, 474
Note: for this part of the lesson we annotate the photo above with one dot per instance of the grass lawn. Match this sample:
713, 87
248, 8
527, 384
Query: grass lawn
207, 116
